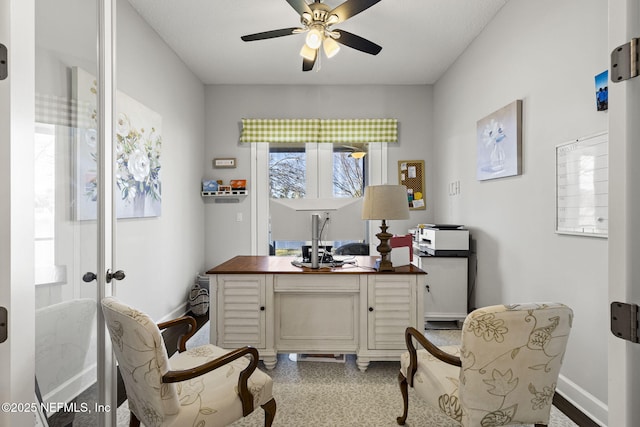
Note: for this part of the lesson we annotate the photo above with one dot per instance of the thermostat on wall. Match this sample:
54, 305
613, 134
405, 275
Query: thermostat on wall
224, 163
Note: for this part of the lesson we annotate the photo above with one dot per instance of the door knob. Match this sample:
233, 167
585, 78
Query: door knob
89, 277
118, 275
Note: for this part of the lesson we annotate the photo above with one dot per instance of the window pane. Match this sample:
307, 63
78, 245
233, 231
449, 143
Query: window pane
288, 166
348, 174
287, 170
44, 204
287, 180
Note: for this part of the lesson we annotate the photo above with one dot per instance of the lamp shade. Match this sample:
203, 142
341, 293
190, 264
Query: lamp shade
331, 47
314, 38
385, 202
308, 53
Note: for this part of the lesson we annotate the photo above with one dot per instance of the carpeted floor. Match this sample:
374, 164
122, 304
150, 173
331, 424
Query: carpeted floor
339, 395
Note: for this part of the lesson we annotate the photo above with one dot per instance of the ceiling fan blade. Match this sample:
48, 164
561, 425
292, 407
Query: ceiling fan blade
271, 34
356, 42
300, 6
350, 8
307, 64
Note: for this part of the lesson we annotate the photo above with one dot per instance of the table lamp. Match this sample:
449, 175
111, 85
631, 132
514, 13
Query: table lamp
385, 202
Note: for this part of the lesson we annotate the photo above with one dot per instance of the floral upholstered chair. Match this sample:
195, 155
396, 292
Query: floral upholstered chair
505, 371
203, 386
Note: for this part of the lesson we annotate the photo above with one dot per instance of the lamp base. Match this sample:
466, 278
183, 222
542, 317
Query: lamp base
384, 249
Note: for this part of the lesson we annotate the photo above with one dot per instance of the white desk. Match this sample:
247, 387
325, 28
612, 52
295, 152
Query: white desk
267, 303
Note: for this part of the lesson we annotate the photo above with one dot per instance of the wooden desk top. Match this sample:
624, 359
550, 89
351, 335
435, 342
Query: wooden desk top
244, 264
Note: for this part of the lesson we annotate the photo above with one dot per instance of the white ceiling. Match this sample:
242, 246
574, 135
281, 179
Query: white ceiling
420, 39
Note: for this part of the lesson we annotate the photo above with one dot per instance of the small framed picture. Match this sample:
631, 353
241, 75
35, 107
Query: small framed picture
229, 162
602, 91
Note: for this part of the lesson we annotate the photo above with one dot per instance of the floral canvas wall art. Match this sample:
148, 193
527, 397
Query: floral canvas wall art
499, 143
138, 144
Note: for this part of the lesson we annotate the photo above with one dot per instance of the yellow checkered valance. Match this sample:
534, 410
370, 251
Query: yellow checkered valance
343, 131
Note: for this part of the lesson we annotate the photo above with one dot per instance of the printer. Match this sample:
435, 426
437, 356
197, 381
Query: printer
442, 240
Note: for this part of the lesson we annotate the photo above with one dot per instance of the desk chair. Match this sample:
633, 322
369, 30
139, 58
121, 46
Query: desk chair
203, 386
505, 371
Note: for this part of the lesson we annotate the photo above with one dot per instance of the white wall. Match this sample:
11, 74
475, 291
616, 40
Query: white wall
160, 255
227, 105
547, 54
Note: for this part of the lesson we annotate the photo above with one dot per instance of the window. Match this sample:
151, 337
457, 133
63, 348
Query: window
348, 173
374, 172
45, 201
287, 172
310, 171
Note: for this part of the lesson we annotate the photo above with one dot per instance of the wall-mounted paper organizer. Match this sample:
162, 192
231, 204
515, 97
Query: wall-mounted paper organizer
215, 188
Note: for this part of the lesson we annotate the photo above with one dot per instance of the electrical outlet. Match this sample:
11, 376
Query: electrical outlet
239, 217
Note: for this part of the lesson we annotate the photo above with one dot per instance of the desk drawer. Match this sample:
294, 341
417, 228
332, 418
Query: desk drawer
334, 283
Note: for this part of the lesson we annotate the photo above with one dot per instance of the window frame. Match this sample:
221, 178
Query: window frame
376, 166
52, 273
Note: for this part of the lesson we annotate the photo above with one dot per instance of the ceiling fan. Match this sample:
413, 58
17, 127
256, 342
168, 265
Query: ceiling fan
317, 19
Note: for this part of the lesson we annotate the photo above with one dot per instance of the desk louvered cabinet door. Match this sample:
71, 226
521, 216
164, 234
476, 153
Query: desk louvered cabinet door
241, 310
391, 308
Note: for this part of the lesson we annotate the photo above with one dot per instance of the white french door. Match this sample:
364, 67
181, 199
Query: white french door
624, 232
16, 210
52, 260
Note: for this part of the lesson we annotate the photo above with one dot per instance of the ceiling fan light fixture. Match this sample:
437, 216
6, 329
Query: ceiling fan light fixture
333, 19
307, 53
317, 19
358, 154
331, 47
314, 38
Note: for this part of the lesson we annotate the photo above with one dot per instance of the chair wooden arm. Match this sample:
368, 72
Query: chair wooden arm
430, 347
245, 395
182, 343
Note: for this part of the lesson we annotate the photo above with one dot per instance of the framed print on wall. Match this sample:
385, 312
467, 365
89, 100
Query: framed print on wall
602, 91
499, 143
137, 153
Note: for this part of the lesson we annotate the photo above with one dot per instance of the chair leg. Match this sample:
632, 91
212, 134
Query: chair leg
133, 420
269, 412
402, 381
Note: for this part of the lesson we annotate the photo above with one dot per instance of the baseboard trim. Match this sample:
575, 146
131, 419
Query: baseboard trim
573, 413
181, 310
584, 402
